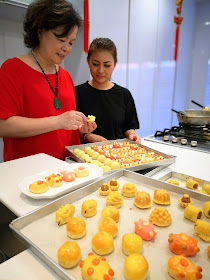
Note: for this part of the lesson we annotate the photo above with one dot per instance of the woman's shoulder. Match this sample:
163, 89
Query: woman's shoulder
121, 89
10, 63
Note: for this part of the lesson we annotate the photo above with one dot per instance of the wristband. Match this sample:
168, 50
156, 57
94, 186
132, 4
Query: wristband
83, 137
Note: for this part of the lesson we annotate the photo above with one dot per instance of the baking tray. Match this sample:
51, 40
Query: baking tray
39, 231
169, 159
182, 179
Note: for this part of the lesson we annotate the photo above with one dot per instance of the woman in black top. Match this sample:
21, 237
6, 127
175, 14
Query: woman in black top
112, 105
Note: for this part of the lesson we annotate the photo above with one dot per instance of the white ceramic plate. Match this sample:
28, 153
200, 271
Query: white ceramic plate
94, 173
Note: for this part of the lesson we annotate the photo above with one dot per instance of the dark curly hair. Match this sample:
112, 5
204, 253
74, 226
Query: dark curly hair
103, 44
48, 15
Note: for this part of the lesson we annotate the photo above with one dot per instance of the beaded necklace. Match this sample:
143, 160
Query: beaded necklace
57, 102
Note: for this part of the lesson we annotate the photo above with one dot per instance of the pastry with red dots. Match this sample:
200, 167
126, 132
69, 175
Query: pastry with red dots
125, 164
64, 214
104, 189
185, 200
81, 171
136, 162
180, 267
145, 230
69, 254
124, 149
113, 151
131, 243
134, 146
68, 176
39, 187
142, 200
129, 190
126, 144
135, 267
132, 153
182, 244
105, 147
157, 158
112, 212
116, 145
96, 268
128, 159
160, 217
120, 155
95, 148
161, 197
54, 180
102, 243
141, 151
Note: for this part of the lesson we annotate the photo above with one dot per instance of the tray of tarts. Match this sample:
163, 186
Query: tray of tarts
122, 226
116, 154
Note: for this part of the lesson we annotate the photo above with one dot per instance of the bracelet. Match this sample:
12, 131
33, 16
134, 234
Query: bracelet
83, 137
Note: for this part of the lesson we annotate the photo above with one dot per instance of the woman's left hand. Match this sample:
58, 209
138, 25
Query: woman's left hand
87, 127
134, 137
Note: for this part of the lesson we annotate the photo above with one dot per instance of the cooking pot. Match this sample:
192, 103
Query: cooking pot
193, 117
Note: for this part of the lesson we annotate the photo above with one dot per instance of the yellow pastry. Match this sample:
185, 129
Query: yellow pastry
54, 180
69, 254
89, 208
86, 149
202, 230
114, 199
114, 185
39, 187
104, 189
131, 243
148, 159
129, 190
64, 214
101, 158
160, 217
112, 212
76, 228
142, 200
106, 168
185, 200
193, 213
102, 243
135, 267
107, 224
161, 197
174, 182
191, 184
114, 165
81, 171
206, 188
90, 118
206, 209
202, 191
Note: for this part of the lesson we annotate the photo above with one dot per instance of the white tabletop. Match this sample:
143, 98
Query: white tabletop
28, 266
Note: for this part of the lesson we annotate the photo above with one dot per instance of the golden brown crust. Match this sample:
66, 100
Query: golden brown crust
193, 213
161, 197
192, 184
102, 243
174, 182
206, 209
185, 200
89, 208
39, 187
69, 254
104, 189
114, 199
135, 267
202, 229
129, 190
131, 243
64, 214
111, 211
76, 228
160, 217
114, 185
142, 200
206, 188
107, 224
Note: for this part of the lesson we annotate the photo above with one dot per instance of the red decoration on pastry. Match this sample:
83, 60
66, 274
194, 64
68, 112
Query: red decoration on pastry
146, 230
67, 176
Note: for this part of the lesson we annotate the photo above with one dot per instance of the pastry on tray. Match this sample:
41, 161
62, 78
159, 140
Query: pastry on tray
125, 164
76, 228
126, 144
54, 180
131, 243
129, 190
112, 212
174, 182
104, 189
135, 267
109, 225
185, 200
148, 159
145, 230
160, 217
206, 188
102, 243
96, 268
64, 214
180, 267
193, 213
142, 200
81, 171
161, 197
89, 208
115, 165
182, 244
191, 184
202, 230
69, 254
114, 185
206, 209
116, 145
38, 187
114, 199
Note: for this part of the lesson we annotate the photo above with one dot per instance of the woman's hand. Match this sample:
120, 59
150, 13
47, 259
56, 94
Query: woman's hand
91, 138
71, 120
87, 127
134, 137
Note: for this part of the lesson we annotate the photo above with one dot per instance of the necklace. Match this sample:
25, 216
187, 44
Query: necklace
57, 102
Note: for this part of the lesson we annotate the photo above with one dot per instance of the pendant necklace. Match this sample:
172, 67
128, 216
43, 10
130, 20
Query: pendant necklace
57, 102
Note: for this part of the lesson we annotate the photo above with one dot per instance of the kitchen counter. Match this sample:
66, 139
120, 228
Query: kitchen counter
28, 266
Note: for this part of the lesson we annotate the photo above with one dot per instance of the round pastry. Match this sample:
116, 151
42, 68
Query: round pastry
102, 243
102, 152
95, 155
126, 144
39, 187
86, 158
101, 158
69, 254
135, 267
208, 251
96, 268
161, 197
54, 180
159, 158
180, 268
113, 151
89, 208
142, 200
193, 213
114, 185
64, 214
185, 200
75, 151
137, 156
182, 244
125, 164
67, 176
128, 159
141, 151
120, 155
202, 230
129, 190
145, 230
116, 145
104, 189
192, 184
134, 146
112, 212
115, 165
107, 224
105, 147
108, 162
109, 156
160, 217
206, 188
202, 191
131, 243
119, 160
174, 182
86, 149
114, 199
96, 162
150, 153
95, 148
81, 171
124, 149
148, 159
132, 153
80, 153
106, 168
206, 209
136, 162
76, 228
90, 152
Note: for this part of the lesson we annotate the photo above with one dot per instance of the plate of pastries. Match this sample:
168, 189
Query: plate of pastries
58, 181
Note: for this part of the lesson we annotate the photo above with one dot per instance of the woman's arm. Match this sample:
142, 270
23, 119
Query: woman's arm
20, 127
131, 135
91, 138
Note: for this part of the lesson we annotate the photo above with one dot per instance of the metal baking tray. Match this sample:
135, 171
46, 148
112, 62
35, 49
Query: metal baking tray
169, 159
182, 179
39, 231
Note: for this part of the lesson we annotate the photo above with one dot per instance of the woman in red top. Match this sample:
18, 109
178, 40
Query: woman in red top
37, 98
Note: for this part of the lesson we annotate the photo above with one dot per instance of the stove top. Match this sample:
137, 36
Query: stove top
185, 136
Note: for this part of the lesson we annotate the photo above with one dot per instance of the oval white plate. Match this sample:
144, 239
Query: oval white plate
94, 173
